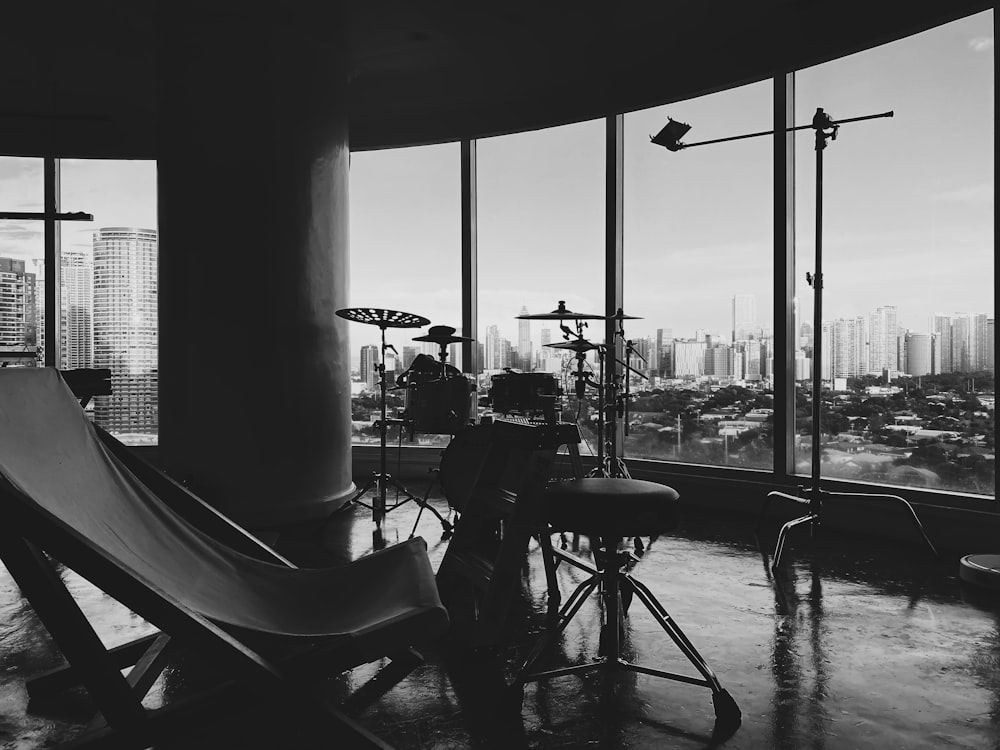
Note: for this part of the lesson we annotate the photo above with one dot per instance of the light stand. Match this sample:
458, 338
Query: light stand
826, 129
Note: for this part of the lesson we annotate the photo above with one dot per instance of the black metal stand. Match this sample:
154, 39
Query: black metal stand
617, 585
812, 497
825, 128
381, 479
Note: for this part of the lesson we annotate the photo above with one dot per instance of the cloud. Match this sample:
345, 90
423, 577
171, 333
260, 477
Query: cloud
14, 168
971, 194
981, 44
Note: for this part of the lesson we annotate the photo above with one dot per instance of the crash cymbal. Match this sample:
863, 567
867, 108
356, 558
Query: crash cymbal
620, 315
577, 345
442, 335
383, 318
561, 313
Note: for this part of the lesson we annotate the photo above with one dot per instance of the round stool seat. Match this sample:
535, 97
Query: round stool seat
981, 570
611, 507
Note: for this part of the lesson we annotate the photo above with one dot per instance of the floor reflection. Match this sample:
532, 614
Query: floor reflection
853, 643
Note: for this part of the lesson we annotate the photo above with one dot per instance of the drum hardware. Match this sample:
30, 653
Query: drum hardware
440, 405
386, 319
524, 393
560, 313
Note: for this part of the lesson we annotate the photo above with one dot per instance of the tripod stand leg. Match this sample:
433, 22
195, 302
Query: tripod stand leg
783, 535
445, 525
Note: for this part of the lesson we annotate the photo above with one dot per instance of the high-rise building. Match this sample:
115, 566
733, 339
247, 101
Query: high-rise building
409, 354
941, 327
524, 342
719, 361
744, 317
689, 358
919, 354
845, 345
77, 310
17, 307
125, 327
368, 366
491, 349
990, 363
962, 343
882, 334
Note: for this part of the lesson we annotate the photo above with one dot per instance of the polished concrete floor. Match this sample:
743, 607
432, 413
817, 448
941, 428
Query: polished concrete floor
855, 644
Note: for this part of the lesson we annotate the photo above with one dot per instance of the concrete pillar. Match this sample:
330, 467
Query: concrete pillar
253, 159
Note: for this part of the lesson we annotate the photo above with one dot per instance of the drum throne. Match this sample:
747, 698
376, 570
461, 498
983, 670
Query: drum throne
608, 510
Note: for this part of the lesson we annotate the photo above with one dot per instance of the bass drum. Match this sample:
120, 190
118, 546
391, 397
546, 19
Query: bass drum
460, 464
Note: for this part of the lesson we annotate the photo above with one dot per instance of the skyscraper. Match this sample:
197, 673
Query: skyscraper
17, 306
941, 326
882, 333
125, 327
492, 349
920, 354
744, 317
368, 369
524, 342
77, 306
845, 346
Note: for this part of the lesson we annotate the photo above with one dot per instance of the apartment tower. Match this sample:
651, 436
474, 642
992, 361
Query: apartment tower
125, 328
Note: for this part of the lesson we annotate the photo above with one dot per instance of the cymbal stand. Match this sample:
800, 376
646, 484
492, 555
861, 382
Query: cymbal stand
446, 526
382, 479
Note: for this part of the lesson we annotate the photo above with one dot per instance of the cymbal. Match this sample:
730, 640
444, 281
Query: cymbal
383, 318
561, 313
620, 315
577, 345
442, 335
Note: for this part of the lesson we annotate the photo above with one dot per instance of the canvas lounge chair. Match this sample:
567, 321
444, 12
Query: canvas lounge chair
274, 630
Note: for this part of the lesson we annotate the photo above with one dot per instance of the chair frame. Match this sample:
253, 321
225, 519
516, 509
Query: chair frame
617, 587
28, 535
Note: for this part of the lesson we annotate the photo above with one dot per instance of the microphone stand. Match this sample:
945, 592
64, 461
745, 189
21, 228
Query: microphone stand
812, 496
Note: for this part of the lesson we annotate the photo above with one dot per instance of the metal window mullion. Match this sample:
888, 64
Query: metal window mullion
470, 260
785, 335
614, 233
53, 263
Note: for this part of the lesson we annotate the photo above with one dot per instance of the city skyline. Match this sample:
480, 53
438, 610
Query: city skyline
908, 203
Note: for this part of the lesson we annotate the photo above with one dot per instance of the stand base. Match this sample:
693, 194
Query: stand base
616, 583
815, 515
379, 508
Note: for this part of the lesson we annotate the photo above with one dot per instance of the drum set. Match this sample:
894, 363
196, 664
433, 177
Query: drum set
611, 384
438, 400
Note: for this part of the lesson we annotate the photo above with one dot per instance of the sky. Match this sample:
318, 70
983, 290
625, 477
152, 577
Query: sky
908, 204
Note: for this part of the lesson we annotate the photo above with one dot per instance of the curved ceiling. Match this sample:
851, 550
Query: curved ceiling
84, 83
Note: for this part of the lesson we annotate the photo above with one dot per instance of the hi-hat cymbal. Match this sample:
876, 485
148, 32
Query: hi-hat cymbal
383, 318
442, 335
577, 345
561, 313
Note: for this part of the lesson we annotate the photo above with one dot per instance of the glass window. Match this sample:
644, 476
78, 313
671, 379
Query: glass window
109, 289
22, 249
541, 213
405, 256
908, 262
698, 271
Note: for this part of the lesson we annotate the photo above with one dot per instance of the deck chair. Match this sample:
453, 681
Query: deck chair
274, 631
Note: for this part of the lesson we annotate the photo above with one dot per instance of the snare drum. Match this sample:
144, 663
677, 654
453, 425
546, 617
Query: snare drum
522, 391
440, 406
